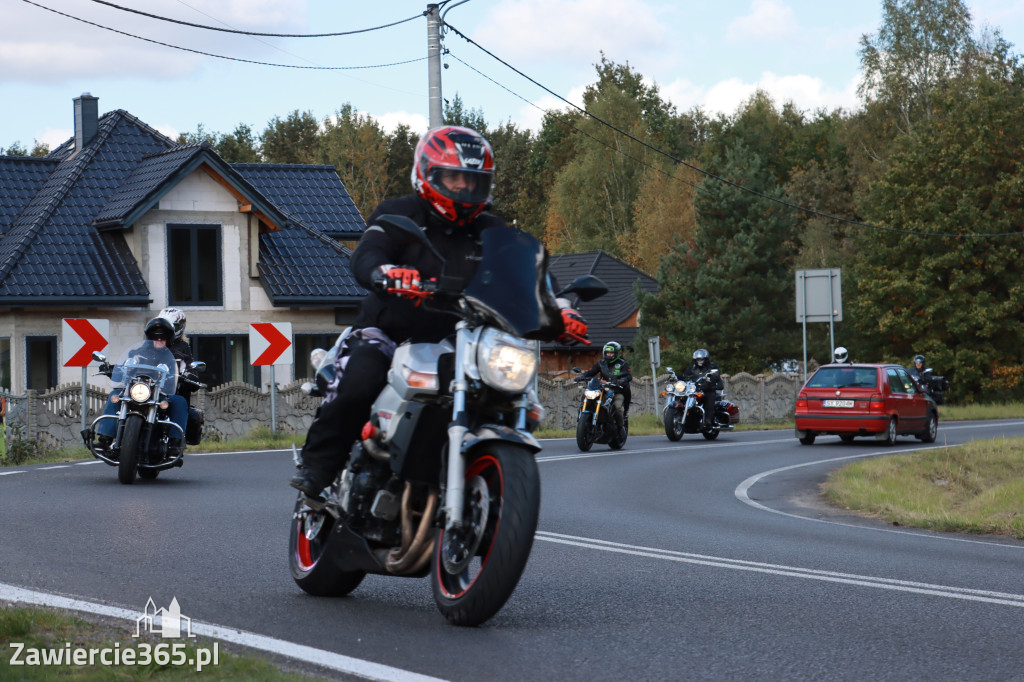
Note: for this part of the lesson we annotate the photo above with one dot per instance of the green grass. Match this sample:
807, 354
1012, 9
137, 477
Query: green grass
974, 488
40, 628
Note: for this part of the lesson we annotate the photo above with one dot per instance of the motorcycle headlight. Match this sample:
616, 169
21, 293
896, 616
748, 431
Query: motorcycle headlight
591, 395
680, 386
140, 393
506, 362
691, 387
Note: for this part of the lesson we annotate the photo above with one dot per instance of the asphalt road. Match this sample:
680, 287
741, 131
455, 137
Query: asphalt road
691, 560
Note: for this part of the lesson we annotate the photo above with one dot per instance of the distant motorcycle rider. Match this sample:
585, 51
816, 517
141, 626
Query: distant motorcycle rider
182, 351
614, 368
701, 365
917, 370
452, 171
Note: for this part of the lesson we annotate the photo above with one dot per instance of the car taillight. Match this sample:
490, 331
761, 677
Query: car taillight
801, 401
876, 403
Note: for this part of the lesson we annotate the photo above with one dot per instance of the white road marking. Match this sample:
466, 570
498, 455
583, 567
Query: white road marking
969, 594
59, 466
742, 494
8, 473
326, 659
92, 461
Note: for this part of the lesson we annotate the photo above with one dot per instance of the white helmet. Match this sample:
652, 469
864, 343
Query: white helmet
841, 354
176, 318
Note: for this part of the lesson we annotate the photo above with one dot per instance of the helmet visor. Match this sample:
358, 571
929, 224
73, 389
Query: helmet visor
461, 185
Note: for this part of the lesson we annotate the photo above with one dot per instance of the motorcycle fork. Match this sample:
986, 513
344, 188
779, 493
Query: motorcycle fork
455, 489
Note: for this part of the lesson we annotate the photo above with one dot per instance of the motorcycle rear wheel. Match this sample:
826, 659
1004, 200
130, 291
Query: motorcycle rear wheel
307, 549
711, 433
507, 476
584, 434
128, 460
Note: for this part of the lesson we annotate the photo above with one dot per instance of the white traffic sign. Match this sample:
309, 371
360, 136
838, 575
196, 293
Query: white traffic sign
79, 338
270, 343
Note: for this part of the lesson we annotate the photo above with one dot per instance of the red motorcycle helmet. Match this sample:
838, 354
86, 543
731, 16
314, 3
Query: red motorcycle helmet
452, 171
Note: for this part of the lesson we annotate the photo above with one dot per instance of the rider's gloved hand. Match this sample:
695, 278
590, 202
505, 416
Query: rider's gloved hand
575, 327
400, 280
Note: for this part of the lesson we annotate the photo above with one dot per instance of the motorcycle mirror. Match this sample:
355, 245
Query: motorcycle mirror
198, 366
307, 387
403, 231
98, 357
586, 287
577, 370
713, 371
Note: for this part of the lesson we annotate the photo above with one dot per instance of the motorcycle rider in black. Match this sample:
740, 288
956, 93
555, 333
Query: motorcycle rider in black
613, 367
918, 369
700, 366
452, 172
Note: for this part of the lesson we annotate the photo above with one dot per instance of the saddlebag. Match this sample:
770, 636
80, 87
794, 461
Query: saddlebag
194, 429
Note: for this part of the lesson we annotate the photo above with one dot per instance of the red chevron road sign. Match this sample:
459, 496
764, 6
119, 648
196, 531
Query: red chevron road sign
270, 343
80, 337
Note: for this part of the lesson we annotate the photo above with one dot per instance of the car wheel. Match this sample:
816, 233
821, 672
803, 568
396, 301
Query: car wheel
931, 428
846, 437
888, 437
807, 439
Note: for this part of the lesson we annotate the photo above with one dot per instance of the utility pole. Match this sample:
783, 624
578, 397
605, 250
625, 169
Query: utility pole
434, 64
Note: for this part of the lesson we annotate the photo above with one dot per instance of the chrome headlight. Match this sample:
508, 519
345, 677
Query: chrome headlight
506, 362
140, 393
680, 386
591, 395
691, 387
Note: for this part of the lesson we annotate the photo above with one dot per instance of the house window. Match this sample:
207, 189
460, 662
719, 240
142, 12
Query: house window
226, 358
5, 364
304, 345
40, 362
193, 265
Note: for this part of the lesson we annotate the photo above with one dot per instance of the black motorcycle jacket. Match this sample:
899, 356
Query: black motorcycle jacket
693, 372
617, 371
183, 355
402, 319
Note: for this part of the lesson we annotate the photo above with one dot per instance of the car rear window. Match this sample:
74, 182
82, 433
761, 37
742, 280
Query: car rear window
844, 377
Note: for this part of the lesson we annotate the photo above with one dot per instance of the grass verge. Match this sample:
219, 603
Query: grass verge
51, 631
974, 488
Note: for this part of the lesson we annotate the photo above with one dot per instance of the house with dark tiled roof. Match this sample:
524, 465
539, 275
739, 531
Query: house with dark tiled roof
120, 222
612, 317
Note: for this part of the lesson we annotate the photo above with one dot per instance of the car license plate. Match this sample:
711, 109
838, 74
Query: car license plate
837, 403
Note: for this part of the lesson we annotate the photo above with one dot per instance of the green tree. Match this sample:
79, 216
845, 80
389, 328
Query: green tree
239, 146
356, 146
957, 297
401, 144
39, 149
729, 290
921, 44
295, 139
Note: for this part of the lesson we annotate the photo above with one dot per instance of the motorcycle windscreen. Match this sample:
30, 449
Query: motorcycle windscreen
511, 288
145, 358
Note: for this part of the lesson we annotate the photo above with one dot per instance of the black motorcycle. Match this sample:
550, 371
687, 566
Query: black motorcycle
596, 420
934, 385
145, 375
444, 480
684, 411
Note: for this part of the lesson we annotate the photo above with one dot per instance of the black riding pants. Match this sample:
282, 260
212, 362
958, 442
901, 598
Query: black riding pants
339, 422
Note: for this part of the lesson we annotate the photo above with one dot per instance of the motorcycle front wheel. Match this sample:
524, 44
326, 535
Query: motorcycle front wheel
475, 569
128, 460
584, 433
673, 426
307, 549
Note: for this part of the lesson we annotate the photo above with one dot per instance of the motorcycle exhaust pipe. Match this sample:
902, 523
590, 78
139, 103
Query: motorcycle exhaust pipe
417, 546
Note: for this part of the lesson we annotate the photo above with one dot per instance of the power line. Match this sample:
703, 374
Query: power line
254, 33
220, 56
788, 204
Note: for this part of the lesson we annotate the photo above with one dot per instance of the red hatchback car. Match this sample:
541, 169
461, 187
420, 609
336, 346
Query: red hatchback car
864, 400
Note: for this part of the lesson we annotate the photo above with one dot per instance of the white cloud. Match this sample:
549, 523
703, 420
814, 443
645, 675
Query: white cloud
543, 30
418, 123
769, 21
55, 137
808, 93
532, 117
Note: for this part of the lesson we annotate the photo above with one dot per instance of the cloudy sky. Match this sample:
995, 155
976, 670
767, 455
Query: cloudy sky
711, 54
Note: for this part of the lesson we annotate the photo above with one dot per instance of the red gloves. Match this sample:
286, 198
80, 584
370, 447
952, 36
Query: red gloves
575, 327
402, 281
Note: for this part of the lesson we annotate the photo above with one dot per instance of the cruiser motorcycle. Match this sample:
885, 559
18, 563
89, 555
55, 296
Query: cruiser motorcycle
596, 420
144, 374
684, 412
443, 481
